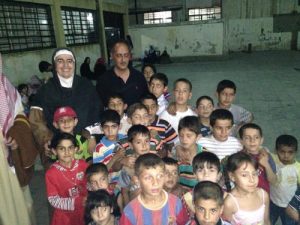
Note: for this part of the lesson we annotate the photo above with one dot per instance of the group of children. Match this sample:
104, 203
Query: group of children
170, 163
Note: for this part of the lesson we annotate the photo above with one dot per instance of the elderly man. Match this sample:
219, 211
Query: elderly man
121, 79
64, 89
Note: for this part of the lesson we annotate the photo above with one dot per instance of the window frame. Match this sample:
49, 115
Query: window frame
213, 15
154, 16
25, 27
76, 34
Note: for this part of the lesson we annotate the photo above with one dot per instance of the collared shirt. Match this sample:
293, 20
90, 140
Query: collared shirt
131, 90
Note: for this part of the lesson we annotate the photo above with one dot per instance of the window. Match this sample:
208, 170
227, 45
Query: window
205, 14
158, 17
25, 26
79, 26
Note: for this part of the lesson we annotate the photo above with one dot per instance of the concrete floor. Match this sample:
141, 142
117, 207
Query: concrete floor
267, 85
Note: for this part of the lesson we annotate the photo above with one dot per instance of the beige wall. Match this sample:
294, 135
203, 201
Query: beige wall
186, 39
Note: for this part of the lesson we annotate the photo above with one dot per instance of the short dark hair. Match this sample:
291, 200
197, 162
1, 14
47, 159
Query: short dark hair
209, 158
170, 161
202, 98
94, 169
286, 140
43, 66
220, 114
132, 108
110, 115
148, 65
97, 199
120, 41
225, 84
250, 126
184, 81
146, 161
58, 137
189, 122
137, 129
149, 96
161, 77
208, 190
237, 159
115, 95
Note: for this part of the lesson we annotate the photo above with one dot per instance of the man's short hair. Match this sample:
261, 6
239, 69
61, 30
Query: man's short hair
225, 84
184, 81
95, 169
149, 96
286, 140
189, 122
220, 114
209, 158
161, 77
250, 126
147, 161
208, 190
110, 115
120, 41
134, 130
136, 106
202, 98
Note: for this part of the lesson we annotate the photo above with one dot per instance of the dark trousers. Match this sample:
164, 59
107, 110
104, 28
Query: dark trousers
276, 211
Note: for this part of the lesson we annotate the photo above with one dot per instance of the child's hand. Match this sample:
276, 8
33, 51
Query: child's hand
263, 158
120, 153
128, 161
47, 149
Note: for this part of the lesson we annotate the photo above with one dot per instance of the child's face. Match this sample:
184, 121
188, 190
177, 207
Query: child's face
65, 152
152, 181
245, 177
99, 181
66, 124
286, 154
101, 214
110, 130
171, 178
182, 93
148, 72
152, 108
208, 211
157, 88
252, 140
222, 129
226, 97
140, 144
140, 116
187, 138
208, 173
205, 108
118, 105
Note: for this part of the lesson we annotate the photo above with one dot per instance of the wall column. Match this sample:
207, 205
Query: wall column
58, 24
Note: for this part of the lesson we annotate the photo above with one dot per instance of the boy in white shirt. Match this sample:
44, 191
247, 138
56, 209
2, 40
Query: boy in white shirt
182, 94
220, 143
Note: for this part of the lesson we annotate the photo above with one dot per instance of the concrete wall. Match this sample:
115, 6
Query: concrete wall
19, 67
180, 40
259, 32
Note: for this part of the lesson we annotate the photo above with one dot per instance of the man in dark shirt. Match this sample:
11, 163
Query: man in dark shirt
121, 79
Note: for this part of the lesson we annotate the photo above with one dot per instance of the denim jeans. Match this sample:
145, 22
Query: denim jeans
276, 211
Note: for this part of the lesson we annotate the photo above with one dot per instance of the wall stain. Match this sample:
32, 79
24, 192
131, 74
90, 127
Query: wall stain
212, 48
176, 44
198, 47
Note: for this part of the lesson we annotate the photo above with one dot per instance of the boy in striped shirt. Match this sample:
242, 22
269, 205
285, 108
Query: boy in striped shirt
153, 205
220, 143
